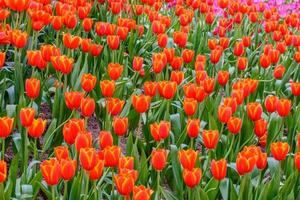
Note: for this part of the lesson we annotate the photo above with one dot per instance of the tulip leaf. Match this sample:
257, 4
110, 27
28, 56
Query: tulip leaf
211, 188
13, 172
49, 135
176, 124
176, 169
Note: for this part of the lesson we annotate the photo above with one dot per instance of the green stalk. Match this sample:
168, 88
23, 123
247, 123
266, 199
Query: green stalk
112, 185
65, 190
158, 186
3, 149
53, 192
230, 148
86, 187
2, 190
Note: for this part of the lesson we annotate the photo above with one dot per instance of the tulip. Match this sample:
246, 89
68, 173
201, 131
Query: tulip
87, 106
234, 125
224, 113
114, 70
32, 87
215, 56
264, 61
159, 159
111, 156
88, 158
120, 125
113, 42
141, 193
61, 152
242, 63
189, 106
279, 71
18, 6
260, 127
3, 171
51, 171
176, 63
254, 111
210, 138
209, 85
57, 22
137, 63
105, 139
219, 169
126, 163
160, 131
107, 87
68, 168
238, 49
71, 130
35, 59
193, 127
83, 140
283, 107
115, 7
18, 38
73, 99
167, 89
70, 21
280, 150
296, 160
27, 116
114, 105
295, 87
270, 103
97, 171
124, 183
141, 103
37, 128
169, 53
162, 40
262, 161
71, 42
2, 59
192, 177
87, 24
188, 55
6, 126
189, 90
188, 158
88, 82
177, 76
150, 88
122, 32
245, 164
180, 38
48, 51
96, 49
62, 64
223, 77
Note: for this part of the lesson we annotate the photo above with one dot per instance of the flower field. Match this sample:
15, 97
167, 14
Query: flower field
149, 99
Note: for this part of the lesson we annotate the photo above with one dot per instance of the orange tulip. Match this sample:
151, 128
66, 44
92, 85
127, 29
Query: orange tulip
96, 49
107, 87
264, 61
83, 140
150, 88
70, 20
177, 76
270, 103
114, 70
114, 105
18, 38
57, 22
296, 160
283, 107
87, 24
6, 126
115, 7
234, 125
189, 90
209, 85
27, 116
73, 99
68, 168
224, 113
105, 139
279, 71
88, 158
193, 127
126, 163
180, 38
169, 53
254, 111
159, 159
190, 106
17, 5
230, 102
137, 63
176, 62
238, 49
280, 150
242, 63
37, 128
35, 59
71, 130
295, 87
62, 64
87, 106
71, 42
97, 171
162, 40
188, 55
124, 183
48, 51
245, 164
238, 95
141, 103
192, 177
3, 171
61, 152
111, 156
141, 193
160, 131
120, 125
113, 41
188, 158
167, 89
2, 59
88, 82
223, 77
210, 138
32, 87
215, 56
219, 169
51, 171
260, 127
262, 160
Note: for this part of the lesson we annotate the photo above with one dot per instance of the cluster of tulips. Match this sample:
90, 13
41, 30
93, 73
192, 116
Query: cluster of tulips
194, 99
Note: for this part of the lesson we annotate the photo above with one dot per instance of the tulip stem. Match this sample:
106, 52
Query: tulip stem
2, 190
95, 190
3, 149
86, 186
112, 185
230, 148
65, 190
53, 192
158, 186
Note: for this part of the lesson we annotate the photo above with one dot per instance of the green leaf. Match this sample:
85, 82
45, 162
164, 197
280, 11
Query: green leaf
211, 188
176, 169
48, 135
13, 172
